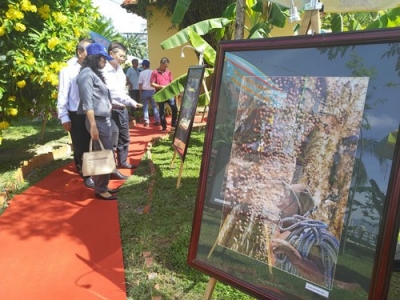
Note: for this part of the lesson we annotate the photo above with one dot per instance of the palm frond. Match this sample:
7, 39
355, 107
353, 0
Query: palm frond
201, 28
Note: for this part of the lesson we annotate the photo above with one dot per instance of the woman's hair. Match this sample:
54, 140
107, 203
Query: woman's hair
92, 61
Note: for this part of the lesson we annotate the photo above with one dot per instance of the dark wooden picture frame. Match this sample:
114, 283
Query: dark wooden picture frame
308, 119
187, 111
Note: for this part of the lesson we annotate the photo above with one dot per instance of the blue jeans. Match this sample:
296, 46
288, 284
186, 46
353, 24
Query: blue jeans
146, 97
174, 109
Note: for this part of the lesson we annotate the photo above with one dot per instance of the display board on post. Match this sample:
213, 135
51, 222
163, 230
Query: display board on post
187, 114
302, 204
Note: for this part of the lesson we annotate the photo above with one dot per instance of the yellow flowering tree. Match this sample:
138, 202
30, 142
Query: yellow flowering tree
37, 37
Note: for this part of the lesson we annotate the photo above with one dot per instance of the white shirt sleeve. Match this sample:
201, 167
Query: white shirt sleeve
62, 98
116, 82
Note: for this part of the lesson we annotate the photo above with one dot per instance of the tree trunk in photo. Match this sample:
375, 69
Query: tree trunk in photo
240, 18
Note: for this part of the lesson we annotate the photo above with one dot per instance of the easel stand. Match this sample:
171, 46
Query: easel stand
310, 20
210, 288
178, 183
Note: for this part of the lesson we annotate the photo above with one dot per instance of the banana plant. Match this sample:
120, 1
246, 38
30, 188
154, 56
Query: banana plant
180, 10
192, 34
262, 14
362, 20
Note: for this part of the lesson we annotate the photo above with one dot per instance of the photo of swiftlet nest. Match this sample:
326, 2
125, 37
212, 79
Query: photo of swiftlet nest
290, 169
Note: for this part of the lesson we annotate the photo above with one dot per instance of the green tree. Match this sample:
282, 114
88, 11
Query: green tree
105, 27
137, 45
362, 20
37, 37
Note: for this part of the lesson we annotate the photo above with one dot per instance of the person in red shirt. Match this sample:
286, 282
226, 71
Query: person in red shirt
160, 78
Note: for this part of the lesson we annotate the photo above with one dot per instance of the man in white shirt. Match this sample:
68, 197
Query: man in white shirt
67, 105
116, 82
146, 94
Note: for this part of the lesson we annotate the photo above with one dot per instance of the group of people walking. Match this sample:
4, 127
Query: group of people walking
93, 104
143, 84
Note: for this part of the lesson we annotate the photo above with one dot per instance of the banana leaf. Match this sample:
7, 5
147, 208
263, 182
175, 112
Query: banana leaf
230, 12
176, 87
390, 19
257, 31
202, 46
337, 23
203, 100
180, 10
201, 28
278, 16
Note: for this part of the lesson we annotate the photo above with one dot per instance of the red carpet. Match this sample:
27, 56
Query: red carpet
57, 242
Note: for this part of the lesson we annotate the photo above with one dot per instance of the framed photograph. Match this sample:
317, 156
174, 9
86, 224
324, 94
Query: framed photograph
187, 111
311, 182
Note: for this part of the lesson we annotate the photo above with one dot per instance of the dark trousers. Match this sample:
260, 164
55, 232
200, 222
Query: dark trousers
115, 134
121, 119
174, 108
135, 95
80, 138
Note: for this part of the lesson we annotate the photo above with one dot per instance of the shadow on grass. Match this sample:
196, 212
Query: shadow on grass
20, 142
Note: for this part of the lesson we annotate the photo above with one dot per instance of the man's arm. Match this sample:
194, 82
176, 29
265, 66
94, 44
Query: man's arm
153, 82
117, 90
94, 132
62, 98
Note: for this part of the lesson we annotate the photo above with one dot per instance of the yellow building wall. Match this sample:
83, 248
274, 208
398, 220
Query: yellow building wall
159, 29
286, 31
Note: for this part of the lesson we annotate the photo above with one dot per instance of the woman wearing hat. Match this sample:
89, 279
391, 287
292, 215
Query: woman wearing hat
96, 104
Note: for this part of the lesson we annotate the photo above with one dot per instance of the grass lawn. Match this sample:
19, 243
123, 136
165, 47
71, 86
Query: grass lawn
21, 143
164, 231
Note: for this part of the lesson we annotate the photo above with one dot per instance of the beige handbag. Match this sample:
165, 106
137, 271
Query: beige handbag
98, 162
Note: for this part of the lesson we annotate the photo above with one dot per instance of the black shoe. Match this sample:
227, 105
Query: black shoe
118, 175
173, 125
113, 191
98, 196
156, 124
164, 129
127, 166
88, 182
